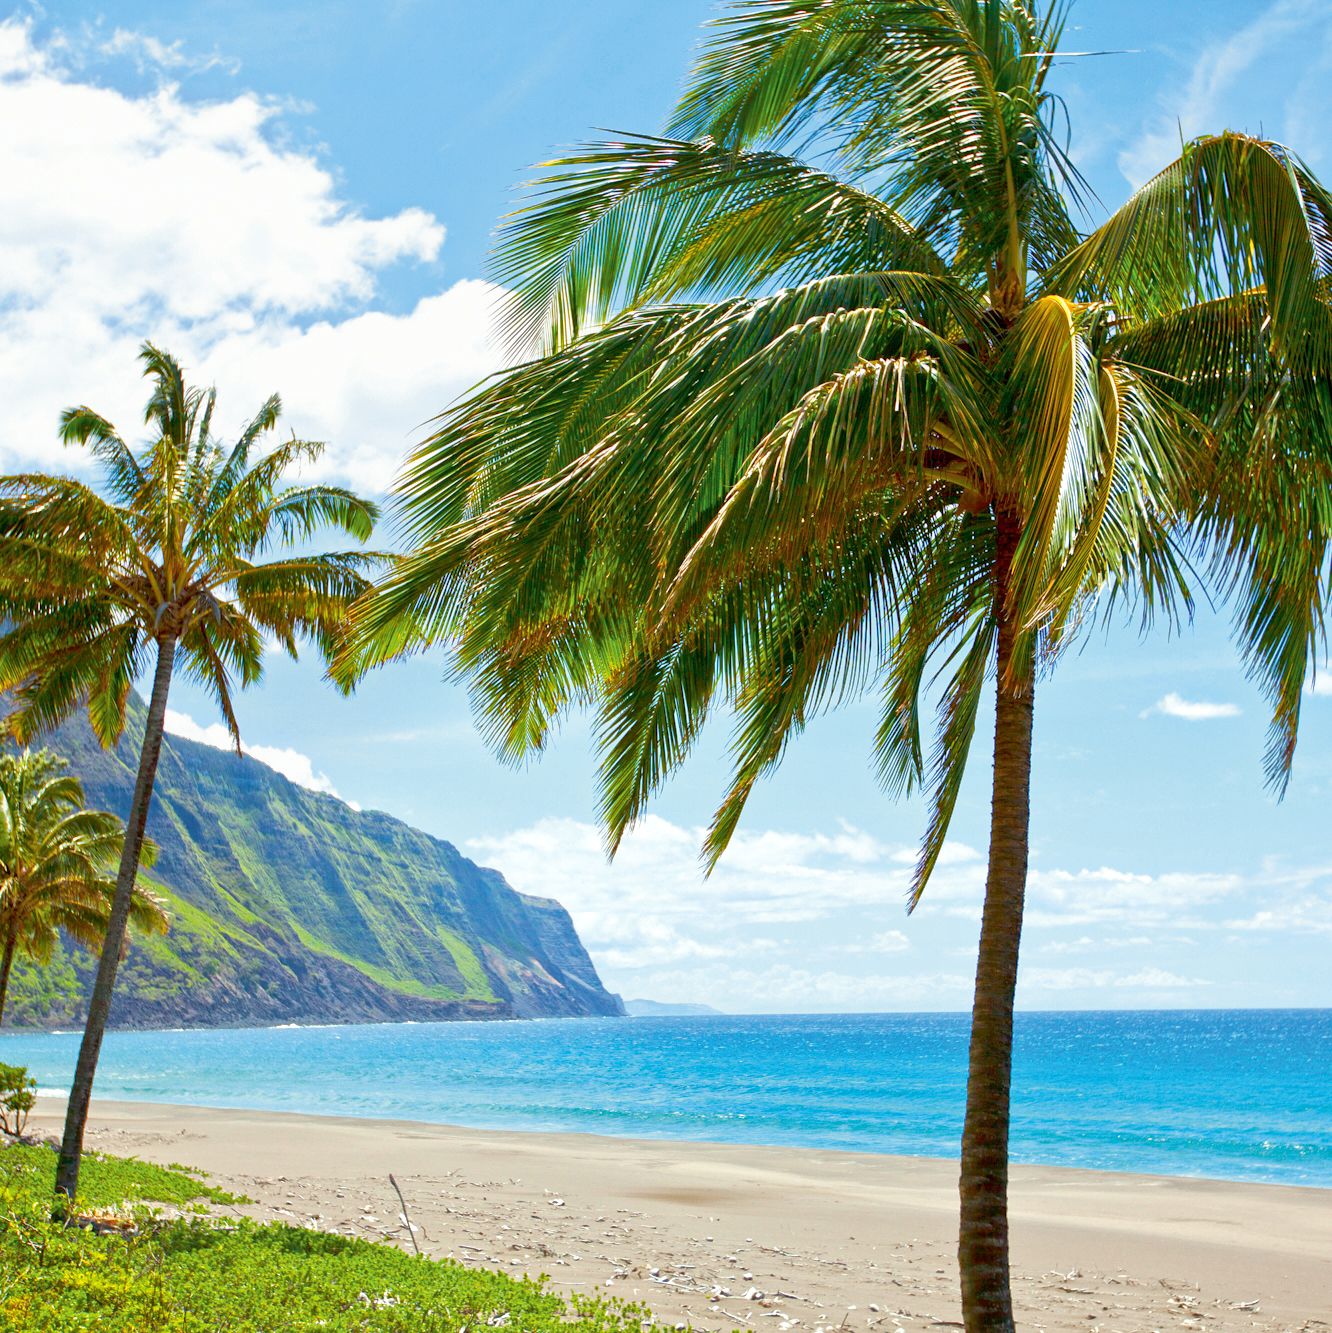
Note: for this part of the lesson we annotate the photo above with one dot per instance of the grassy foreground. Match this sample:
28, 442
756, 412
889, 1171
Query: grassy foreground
206, 1272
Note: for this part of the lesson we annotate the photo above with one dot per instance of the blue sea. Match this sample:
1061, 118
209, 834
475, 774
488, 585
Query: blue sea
1227, 1094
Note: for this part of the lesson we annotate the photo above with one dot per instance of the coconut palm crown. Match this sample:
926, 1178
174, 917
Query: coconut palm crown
171, 564
57, 864
828, 392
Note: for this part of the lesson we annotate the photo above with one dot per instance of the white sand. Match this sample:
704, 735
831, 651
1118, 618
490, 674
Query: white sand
830, 1240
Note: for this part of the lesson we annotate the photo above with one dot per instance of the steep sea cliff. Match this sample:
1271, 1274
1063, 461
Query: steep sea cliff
289, 906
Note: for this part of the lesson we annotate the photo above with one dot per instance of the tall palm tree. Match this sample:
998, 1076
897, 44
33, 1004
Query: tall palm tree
882, 419
165, 568
56, 864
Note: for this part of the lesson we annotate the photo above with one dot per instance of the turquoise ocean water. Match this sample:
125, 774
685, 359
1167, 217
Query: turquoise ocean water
1227, 1094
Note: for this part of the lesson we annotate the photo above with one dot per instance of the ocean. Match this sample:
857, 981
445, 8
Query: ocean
1236, 1095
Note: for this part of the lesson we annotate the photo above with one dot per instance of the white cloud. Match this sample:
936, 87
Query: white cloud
765, 876
1086, 978
1321, 684
292, 764
1308, 915
653, 906
192, 224
365, 383
790, 896
1286, 27
1174, 705
806, 920
886, 941
150, 53
1070, 897
784, 988
1099, 944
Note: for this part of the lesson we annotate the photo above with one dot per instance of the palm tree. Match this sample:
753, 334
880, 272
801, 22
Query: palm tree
163, 569
884, 419
56, 860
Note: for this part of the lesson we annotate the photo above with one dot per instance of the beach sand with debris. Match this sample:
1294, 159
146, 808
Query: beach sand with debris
780, 1240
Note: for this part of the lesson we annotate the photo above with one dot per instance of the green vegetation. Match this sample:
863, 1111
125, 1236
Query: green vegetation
778, 433
469, 966
18, 1095
206, 1273
55, 863
168, 563
111, 1183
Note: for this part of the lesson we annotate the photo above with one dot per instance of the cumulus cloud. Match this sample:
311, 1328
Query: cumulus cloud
763, 874
791, 920
1190, 710
787, 988
1072, 898
1305, 915
653, 905
1321, 684
292, 764
1099, 944
365, 383
885, 941
192, 223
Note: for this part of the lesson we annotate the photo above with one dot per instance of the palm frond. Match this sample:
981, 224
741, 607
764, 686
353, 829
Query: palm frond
1232, 215
83, 426
89, 585
619, 224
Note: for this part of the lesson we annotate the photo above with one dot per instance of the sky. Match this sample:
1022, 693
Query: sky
300, 197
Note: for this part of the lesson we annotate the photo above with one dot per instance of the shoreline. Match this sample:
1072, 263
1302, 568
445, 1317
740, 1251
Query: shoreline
47, 1095
828, 1239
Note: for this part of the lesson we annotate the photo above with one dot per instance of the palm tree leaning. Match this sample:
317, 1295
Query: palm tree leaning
889, 420
56, 863
166, 568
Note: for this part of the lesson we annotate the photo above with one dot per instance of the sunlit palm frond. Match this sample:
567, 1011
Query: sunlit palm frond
945, 100
91, 584
83, 426
1232, 215
625, 223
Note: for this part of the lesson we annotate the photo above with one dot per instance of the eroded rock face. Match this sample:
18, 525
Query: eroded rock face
290, 906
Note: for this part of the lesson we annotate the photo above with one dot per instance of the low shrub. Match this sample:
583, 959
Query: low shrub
18, 1093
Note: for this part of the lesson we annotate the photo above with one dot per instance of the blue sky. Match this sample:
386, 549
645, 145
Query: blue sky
300, 197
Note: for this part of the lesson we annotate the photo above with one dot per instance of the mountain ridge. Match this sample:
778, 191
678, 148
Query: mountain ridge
288, 905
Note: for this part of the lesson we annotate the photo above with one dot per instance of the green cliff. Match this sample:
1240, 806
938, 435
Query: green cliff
288, 906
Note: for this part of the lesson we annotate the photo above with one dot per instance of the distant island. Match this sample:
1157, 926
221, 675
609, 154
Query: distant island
664, 1009
289, 906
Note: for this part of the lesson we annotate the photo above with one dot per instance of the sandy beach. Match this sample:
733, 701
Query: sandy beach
775, 1239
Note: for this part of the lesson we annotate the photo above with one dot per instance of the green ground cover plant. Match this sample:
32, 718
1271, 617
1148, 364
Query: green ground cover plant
213, 1270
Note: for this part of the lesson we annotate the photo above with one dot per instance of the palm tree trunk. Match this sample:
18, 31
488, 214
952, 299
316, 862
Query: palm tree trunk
987, 1302
5, 967
99, 1006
